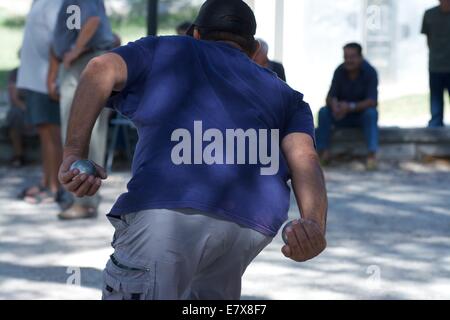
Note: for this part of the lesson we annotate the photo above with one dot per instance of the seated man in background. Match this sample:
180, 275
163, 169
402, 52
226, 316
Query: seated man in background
351, 102
263, 60
15, 120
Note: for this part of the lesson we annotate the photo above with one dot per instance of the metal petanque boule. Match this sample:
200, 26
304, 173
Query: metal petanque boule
85, 167
283, 234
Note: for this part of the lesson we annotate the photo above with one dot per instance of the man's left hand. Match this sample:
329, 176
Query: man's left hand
306, 240
344, 109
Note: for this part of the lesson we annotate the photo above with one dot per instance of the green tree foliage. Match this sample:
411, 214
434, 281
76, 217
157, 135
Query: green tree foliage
171, 12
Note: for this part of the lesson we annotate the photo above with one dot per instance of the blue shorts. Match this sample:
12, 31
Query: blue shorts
15, 118
41, 109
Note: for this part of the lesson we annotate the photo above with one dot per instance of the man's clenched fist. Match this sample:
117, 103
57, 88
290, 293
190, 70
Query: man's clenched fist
305, 241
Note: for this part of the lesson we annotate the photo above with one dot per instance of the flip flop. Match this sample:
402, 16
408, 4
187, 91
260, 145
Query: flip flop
45, 196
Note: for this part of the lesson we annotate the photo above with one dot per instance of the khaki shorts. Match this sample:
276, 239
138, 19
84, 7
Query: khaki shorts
178, 255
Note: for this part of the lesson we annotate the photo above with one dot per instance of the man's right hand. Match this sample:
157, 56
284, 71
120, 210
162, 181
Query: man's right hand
335, 108
81, 185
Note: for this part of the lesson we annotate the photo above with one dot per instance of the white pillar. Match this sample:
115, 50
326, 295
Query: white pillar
279, 30
270, 16
265, 18
295, 48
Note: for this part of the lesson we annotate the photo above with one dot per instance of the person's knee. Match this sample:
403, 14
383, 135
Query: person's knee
370, 115
325, 115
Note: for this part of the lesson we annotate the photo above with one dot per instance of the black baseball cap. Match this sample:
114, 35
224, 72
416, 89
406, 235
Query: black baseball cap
233, 16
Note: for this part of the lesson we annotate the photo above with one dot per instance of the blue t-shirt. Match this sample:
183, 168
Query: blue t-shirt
181, 83
362, 88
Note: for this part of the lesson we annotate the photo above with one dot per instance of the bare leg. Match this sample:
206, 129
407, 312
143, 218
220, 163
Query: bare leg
44, 135
17, 143
55, 150
33, 192
51, 156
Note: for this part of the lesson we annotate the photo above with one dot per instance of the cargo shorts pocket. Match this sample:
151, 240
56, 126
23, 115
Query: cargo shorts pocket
121, 225
121, 284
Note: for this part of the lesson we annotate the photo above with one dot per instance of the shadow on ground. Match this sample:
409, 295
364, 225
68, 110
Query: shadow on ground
388, 236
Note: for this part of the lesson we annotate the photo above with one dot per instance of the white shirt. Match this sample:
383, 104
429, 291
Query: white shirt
35, 51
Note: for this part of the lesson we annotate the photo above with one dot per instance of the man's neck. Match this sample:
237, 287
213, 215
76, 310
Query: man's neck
354, 74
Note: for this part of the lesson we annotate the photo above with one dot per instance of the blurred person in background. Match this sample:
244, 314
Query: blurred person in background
436, 26
117, 41
183, 28
42, 111
263, 60
352, 102
15, 120
72, 49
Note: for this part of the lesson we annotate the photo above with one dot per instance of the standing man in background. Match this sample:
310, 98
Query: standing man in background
42, 110
436, 26
16, 120
74, 49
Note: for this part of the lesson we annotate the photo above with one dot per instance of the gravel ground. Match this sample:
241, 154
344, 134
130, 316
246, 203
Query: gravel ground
388, 235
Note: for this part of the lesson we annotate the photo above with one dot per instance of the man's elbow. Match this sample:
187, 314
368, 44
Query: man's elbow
306, 153
93, 21
300, 160
95, 65
98, 70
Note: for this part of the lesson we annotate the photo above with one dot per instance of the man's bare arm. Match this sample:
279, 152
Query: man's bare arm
102, 76
365, 104
16, 100
306, 237
308, 182
332, 102
87, 31
52, 76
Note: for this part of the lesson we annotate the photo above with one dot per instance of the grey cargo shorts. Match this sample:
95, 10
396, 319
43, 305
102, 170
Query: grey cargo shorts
178, 255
